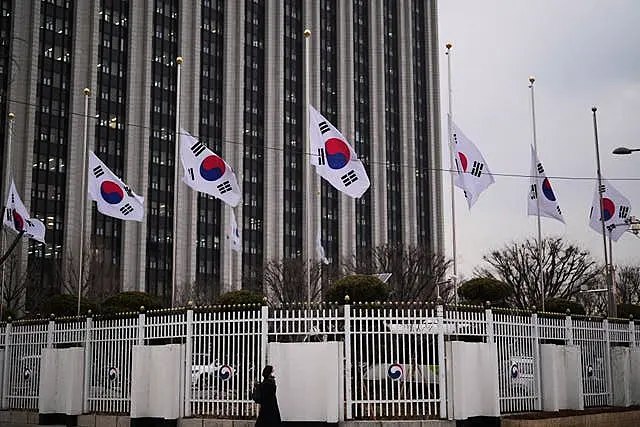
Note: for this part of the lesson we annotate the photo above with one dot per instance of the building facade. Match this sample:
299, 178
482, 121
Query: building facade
373, 72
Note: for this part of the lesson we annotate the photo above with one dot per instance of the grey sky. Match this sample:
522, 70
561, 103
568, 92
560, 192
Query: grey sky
583, 53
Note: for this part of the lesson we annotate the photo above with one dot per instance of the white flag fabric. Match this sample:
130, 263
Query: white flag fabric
616, 208
112, 196
17, 218
320, 249
234, 233
473, 172
540, 187
334, 158
207, 172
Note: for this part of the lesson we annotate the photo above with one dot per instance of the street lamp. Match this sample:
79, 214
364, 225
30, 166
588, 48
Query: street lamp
625, 150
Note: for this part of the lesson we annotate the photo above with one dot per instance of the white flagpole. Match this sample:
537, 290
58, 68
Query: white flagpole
176, 165
612, 306
307, 167
453, 174
87, 93
232, 254
532, 80
5, 195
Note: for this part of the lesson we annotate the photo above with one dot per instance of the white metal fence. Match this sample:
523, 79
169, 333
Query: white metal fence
394, 354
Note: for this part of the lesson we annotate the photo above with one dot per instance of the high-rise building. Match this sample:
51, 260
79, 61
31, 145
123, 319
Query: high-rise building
373, 72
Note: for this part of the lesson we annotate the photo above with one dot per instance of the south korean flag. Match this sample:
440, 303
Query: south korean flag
616, 209
112, 196
207, 172
334, 158
17, 218
473, 172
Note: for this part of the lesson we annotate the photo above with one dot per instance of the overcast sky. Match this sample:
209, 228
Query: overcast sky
583, 53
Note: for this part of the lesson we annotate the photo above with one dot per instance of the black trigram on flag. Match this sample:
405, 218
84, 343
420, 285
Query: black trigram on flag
191, 174
540, 168
9, 214
624, 211
126, 209
477, 169
321, 157
324, 127
128, 191
602, 189
98, 171
225, 187
533, 192
611, 227
198, 148
559, 211
349, 178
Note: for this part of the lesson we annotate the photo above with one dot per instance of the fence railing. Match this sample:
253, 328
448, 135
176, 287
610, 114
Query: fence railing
394, 355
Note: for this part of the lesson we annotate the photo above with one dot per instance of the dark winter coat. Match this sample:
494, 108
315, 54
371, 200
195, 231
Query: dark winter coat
269, 414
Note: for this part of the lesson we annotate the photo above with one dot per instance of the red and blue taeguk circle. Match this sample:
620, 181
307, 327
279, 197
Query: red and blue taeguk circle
338, 153
463, 161
547, 190
395, 371
111, 192
212, 168
18, 221
608, 208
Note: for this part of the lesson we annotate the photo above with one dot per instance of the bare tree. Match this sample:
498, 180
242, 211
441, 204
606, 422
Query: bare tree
15, 286
566, 269
100, 276
285, 280
628, 284
198, 293
417, 274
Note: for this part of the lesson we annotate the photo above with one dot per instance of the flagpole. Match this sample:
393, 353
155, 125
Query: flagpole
307, 168
176, 162
532, 80
453, 203
612, 306
87, 93
5, 194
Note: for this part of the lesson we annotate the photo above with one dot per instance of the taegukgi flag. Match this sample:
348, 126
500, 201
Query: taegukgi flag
334, 159
17, 218
616, 209
207, 172
234, 233
112, 196
540, 188
473, 172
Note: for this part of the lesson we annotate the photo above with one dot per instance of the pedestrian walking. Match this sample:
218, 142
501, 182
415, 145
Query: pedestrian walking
268, 413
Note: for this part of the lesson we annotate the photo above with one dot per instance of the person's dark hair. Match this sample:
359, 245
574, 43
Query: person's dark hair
267, 371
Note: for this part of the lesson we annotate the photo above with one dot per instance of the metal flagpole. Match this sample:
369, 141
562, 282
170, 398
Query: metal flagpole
538, 190
307, 166
5, 195
453, 174
83, 208
176, 162
612, 306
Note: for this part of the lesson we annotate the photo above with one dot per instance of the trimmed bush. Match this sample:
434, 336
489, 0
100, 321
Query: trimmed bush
360, 288
66, 305
130, 301
240, 297
560, 305
624, 310
482, 289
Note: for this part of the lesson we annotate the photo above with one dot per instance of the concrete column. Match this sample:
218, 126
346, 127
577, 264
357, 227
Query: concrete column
136, 167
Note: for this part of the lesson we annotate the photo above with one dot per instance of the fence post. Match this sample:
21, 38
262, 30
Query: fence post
188, 361
442, 381
607, 359
568, 324
5, 370
141, 319
488, 314
51, 327
347, 360
264, 337
632, 333
536, 352
87, 363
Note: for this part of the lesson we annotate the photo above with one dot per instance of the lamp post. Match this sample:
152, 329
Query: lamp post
625, 150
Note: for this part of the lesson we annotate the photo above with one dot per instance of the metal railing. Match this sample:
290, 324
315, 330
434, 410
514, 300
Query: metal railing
394, 354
